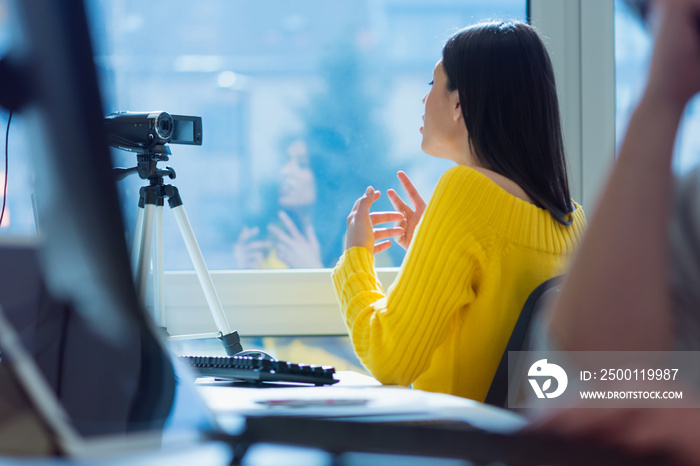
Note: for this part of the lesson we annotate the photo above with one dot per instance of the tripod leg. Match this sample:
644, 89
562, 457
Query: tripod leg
145, 254
136, 241
158, 301
229, 338
201, 269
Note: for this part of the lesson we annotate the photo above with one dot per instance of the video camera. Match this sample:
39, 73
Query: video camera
146, 134
141, 132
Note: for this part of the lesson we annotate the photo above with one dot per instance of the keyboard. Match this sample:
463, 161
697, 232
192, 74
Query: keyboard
258, 370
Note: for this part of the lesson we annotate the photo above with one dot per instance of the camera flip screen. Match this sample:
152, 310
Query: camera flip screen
141, 132
187, 130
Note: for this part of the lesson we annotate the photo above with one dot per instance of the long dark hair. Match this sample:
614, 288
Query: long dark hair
509, 102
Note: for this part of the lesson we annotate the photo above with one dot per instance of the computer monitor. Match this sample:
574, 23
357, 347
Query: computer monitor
97, 350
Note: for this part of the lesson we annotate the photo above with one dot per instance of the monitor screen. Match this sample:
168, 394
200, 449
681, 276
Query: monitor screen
84, 329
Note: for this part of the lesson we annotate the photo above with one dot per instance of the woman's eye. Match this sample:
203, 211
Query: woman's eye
431, 83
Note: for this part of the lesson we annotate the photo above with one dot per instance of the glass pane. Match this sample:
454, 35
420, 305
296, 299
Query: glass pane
633, 43
304, 104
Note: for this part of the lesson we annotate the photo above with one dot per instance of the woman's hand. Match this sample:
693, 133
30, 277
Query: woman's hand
296, 249
411, 216
637, 431
674, 75
361, 222
249, 253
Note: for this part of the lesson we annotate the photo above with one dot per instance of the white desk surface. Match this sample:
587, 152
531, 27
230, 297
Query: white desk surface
354, 395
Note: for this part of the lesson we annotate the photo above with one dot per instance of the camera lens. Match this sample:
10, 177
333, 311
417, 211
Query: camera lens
164, 126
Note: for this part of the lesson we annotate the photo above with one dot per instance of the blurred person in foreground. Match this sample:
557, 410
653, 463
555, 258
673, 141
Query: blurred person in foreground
627, 289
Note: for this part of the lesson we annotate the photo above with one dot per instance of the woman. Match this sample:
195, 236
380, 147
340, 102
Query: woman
499, 223
292, 240
301, 226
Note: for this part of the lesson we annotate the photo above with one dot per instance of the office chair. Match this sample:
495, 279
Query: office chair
498, 392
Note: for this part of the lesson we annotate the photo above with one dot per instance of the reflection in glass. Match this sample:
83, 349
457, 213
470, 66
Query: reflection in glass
345, 80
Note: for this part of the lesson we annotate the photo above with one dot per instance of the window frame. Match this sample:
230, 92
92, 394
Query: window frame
297, 302
579, 35
580, 38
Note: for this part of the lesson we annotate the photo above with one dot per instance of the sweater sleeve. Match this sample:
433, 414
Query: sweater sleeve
395, 334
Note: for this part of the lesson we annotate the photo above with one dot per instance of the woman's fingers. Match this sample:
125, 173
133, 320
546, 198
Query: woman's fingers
260, 245
383, 246
397, 202
310, 234
384, 233
386, 217
410, 189
359, 222
368, 199
289, 224
247, 233
279, 234
363, 204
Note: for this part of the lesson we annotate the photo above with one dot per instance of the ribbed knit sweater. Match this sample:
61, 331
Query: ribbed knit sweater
476, 255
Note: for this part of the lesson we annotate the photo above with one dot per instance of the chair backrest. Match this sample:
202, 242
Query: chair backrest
498, 392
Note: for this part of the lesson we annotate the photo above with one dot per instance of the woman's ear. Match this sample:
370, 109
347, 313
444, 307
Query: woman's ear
456, 110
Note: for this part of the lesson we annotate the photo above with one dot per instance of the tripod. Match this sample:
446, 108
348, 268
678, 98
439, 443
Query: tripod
149, 230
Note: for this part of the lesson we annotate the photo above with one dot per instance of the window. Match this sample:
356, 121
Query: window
304, 104
331, 89
632, 54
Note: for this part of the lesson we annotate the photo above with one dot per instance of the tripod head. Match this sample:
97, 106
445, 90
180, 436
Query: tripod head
147, 166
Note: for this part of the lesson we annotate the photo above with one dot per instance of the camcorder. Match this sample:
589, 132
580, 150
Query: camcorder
142, 132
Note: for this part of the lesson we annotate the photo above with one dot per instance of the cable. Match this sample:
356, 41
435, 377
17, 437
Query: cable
4, 191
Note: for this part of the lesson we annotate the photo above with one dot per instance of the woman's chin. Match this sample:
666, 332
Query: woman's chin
426, 148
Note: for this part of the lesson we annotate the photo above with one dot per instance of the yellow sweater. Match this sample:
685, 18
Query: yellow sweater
476, 255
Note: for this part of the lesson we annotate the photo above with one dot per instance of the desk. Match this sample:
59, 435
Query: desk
355, 395
326, 416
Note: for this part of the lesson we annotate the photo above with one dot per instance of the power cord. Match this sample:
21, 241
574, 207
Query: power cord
4, 191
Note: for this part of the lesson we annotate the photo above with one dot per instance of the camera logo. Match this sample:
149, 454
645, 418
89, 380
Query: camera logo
542, 369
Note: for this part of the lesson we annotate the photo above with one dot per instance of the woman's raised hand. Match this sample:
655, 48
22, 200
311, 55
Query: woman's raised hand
361, 224
411, 216
296, 248
248, 252
674, 76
